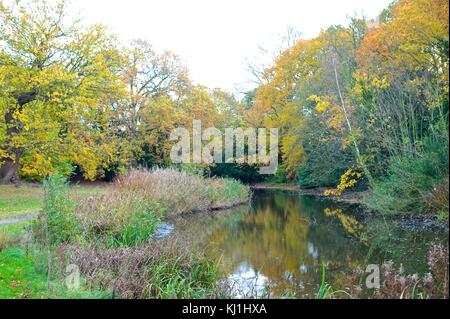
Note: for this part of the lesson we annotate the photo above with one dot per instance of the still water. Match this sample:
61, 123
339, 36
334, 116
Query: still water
276, 246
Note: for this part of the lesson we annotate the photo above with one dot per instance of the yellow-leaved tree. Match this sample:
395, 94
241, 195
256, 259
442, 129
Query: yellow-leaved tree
59, 87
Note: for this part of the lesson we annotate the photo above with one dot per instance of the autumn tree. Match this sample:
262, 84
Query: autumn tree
59, 84
154, 82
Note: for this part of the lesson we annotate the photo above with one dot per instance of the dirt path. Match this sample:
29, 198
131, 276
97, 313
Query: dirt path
18, 219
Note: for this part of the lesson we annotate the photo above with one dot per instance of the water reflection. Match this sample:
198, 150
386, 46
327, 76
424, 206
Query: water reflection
276, 246
283, 239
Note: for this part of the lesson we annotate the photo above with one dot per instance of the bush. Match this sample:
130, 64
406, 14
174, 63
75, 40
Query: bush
280, 176
57, 218
242, 172
412, 180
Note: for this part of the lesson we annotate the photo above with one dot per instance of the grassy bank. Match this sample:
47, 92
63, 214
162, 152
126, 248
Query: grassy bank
107, 235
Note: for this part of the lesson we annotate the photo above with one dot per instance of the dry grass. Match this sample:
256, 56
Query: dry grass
128, 210
164, 269
181, 192
397, 284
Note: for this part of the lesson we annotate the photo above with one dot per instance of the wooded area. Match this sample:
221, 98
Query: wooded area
362, 111
371, 97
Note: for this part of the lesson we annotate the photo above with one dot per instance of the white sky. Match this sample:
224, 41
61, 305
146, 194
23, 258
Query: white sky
214, 37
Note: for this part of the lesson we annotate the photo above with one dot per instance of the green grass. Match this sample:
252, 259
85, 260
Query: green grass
18, 276
15, 228
25, 199
19, 201
182, 278
10, 234
21, 278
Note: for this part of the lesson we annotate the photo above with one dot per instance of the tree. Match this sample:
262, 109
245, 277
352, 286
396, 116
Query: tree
151, 78
59, 84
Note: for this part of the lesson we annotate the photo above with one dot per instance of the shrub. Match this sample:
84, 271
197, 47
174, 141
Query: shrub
412, 179
58, 216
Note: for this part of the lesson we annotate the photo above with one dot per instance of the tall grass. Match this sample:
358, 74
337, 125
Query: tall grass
165, 269
118, 218
182, 192
127, 212
108, 235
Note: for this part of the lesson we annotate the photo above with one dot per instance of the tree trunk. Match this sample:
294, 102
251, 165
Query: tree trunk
8, 171
10, 166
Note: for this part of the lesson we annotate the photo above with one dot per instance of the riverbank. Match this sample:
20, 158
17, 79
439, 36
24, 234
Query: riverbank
112, 237
191, 254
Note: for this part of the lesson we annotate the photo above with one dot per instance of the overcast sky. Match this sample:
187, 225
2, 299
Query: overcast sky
214, 37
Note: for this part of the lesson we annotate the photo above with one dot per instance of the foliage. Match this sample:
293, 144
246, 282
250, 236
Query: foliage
348, 180
412, 179
372, 95
280, 176
73, 96
58, 81
57, 223
21, 278
155, 270
242, 172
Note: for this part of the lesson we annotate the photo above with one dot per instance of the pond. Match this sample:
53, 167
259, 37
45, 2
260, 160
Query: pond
276, 246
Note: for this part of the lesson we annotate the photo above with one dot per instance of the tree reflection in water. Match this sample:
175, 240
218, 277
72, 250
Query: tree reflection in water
276, 246
284, 238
